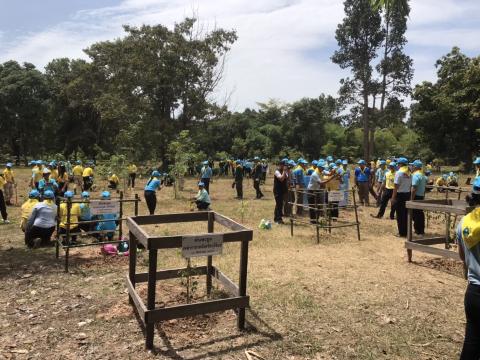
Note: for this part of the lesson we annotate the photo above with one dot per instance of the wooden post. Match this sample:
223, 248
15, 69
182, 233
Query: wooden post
120, 227
67, 238
356, 213
58, 238
132, 260
242, 285
136, 204
409, 232
211, 222
315, 194
291, 225
447, 231
152, 280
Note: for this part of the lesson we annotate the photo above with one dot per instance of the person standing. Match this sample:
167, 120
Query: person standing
289, 191
202, 200
279, 179
257, 177
401, 194
78, 176
3, 206
380, 179
316, 190
299, 175
362, 181
345, 185
132, 174
387, 191
206, 174
41, 223
151, 187
419, 183
62, 179
87, 176
476, 162
9, 183
238, 182
468, 239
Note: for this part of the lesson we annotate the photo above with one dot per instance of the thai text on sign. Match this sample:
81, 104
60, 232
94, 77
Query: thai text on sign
100, 207
335, 196
202, 245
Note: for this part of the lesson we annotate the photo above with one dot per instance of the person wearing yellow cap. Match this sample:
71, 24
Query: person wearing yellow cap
10, 184
468, 239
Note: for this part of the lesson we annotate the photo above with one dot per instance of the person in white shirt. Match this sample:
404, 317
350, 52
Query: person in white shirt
41, 223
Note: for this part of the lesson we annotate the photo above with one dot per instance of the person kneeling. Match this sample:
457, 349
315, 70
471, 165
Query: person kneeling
202, 199
72, 221
41, 223
107, 223
27, 208
113, 181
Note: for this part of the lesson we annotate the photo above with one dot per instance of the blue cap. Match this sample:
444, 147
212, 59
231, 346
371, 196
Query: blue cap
332, 166
34, 194
329, 158
39, 162
48, 194
476, 185
477, 161
291, 163
256, 158
78, 162
205, 162
383, 162
314, 162
402, 160
428, 172
105, 195
155, 173
303, 161
321, 163
345, 162
299, 160
9, 164
338, 162
392, 164
201, 184
417, 164
361, 162
85, 194
68, 194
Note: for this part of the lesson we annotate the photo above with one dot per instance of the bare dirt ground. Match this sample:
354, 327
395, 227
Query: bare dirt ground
340, 299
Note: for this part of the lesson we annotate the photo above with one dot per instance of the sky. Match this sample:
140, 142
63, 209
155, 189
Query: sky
283, 49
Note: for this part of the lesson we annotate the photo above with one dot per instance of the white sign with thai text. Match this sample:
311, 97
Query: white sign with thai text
100, 207
202, 245
335, 196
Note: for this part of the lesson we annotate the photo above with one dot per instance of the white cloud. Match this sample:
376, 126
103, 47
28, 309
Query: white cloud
283, 48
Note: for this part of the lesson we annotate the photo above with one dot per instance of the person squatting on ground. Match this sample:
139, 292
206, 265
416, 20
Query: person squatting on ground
280, 186
10, 184
113, 181
388, 186
238, 182
107, 223
87, 177
85, 217
71, 222
202, 199
3, 206
362, 181
257, 177
27, 208
151, 187
132, 174
468, 238
41, 223
419, 183
401, 194
206, 175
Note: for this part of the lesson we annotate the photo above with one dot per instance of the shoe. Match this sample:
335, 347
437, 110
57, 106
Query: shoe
6, 222
37, 243
375, 216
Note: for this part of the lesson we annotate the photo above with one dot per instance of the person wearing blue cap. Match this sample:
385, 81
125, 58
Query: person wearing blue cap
107, 223
3, 206
257, 177
289, 191
238, 179
72, 221
280, 189
10, 184
419, 184
317, 194
476, 162
345, 184
379, 179
42, 222
401, 194
362, 181
27, 207
202, 199
151, 187
206, 175
299, 175
388, 186
85, 217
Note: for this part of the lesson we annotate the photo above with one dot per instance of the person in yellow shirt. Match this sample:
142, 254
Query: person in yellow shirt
132, 174
87, 176
3, 207
386, 190
10, 185
75, 213
36, 174
27, 207
113, 180
77, 176
62, 179
53, 171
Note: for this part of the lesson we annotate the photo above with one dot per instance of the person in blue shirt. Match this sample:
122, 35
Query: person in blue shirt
299, 175
206, 174
419, 183
345, 184
380, 179
202, 199
46, 183
106, 222
153, 184
85, 214
362, 181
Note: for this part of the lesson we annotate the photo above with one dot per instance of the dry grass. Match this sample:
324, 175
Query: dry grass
341, 299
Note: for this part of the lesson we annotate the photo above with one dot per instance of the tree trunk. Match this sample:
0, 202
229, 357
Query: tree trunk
366, 128
385, 55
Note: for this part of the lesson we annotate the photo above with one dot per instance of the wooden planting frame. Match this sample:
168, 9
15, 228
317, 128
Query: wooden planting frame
148, 313
324, 208
424, 244
67, 245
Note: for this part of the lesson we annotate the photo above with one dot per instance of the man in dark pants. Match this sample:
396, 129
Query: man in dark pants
419, 183
401, 194
238, 183
289, 188
257, 177
387, 191
206, 174
279, 179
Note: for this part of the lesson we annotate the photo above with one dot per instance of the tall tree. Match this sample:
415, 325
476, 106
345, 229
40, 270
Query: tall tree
359, 37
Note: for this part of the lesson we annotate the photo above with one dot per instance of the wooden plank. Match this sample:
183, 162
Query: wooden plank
139, 305
139, 233
228, 223
432, 250
459, 207
170, 274
228, 284
171, 242
171, 218
180, 311
430, 241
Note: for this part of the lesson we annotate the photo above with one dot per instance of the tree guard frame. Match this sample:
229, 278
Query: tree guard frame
149, 314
